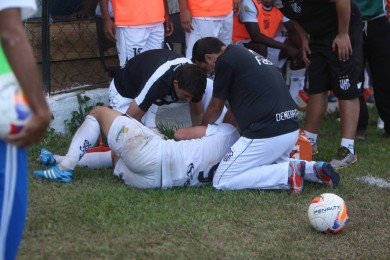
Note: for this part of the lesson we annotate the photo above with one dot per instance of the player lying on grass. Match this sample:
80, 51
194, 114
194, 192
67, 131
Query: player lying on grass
144, 160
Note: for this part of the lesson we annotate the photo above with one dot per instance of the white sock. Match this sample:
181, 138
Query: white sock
95, 160
312, 137
84, 138
297, 81
348, 143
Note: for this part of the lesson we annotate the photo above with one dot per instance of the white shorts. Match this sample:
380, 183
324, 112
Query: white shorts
140, 151
236, 168
132, 40
121, 104
219, 27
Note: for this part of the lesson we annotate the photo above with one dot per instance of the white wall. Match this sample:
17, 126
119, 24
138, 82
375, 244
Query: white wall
63, 105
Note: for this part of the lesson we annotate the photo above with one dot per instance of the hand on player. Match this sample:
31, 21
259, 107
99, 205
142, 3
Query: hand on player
342, 44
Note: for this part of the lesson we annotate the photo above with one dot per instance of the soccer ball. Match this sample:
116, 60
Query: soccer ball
14, 108
328, 213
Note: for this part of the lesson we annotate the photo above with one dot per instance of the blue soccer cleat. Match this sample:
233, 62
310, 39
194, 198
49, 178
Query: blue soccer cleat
54, 174
45, 157
326, 173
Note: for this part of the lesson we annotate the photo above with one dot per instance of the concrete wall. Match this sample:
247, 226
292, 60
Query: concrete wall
63, 105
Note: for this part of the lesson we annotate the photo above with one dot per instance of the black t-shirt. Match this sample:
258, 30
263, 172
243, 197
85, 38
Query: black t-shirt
257, 93
317, 17
148, 78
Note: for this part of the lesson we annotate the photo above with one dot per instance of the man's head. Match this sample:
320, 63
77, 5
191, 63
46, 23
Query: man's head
206, 51
190, 82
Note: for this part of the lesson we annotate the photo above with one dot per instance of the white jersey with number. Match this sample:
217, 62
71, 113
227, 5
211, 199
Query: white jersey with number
189, 163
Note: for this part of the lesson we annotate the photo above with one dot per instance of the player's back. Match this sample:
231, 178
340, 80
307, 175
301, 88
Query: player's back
130, 79
189, 162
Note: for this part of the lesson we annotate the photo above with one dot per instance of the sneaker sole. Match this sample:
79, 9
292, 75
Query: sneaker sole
52, 180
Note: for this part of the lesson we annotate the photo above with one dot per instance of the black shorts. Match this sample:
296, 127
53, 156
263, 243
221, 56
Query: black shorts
327, 72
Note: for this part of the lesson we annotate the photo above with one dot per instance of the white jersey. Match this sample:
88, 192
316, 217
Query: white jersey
208, 94
189, 162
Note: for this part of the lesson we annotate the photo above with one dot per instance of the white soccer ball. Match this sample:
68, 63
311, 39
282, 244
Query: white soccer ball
328, 213
14, 109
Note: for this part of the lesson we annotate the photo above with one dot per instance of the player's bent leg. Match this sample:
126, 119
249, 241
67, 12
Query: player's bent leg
105, 116
246, 154
141, 180
265, 177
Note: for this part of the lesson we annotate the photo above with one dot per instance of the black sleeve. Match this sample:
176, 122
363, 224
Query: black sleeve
223, 80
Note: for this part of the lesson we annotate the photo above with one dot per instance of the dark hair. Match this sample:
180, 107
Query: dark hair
207, 45
192, 79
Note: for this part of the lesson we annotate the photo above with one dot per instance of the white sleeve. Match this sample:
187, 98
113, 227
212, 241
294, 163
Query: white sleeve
248, 13
28, 7
285, 19
211, 129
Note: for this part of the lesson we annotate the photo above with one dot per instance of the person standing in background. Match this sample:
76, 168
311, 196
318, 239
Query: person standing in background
208, 18
376, 42
138, 26
331, 39
16, 56
261, 24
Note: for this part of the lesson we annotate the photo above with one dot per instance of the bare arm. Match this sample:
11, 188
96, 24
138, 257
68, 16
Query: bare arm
236, 6
304, 42
21, 59
190, 133
135, 112
185, 16
108, 24
229, 118
258, 37
168, 24
342, 41
214, 110
196, 111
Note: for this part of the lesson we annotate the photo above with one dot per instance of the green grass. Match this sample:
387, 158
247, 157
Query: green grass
98, 217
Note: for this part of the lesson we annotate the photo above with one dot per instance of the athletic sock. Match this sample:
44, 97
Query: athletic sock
84, 138
312, 137
95, 160
348, 143
297, 81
